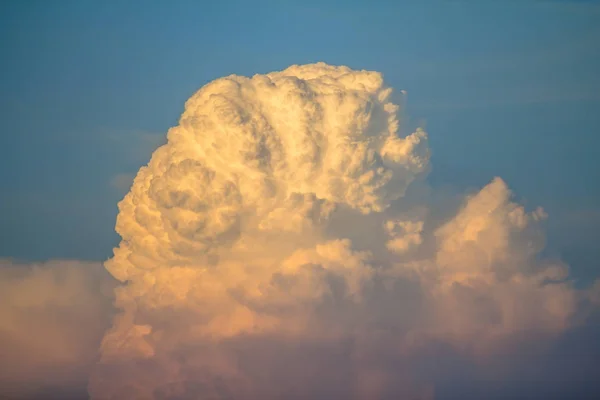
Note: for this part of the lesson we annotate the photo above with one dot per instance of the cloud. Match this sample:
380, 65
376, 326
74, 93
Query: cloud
281, 244
52, 318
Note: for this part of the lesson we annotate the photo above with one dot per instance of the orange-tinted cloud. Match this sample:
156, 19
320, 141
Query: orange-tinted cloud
52, 318
270, 251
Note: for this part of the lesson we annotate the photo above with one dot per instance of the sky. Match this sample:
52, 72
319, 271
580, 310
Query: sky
89, 89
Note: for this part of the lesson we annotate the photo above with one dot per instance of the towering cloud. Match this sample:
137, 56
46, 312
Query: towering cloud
272, 249
282, 244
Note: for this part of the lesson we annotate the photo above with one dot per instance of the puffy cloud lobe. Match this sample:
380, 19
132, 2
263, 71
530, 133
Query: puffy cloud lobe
488, 274
52, 318
234, 271
251, 151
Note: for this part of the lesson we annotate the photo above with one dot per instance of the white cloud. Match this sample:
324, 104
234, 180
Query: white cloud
234, 237
282, 244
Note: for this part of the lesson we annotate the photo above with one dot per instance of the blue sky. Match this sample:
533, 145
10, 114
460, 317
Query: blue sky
87, 89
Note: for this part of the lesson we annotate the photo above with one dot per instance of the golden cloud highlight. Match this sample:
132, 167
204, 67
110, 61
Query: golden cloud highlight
242, 280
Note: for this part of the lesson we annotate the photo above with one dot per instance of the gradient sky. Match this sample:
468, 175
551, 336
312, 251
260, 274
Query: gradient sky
504, 88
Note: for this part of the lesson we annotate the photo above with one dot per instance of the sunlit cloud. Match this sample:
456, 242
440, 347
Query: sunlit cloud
283, 244
274, 229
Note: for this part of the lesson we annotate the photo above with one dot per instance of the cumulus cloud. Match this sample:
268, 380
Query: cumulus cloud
283, 244
272, 248
52, 318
